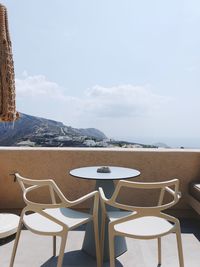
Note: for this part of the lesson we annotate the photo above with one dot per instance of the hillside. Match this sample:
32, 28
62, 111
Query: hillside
34, 131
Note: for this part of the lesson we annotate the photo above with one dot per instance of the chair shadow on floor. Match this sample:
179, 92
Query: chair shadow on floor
76, 258
7, 239
191, 226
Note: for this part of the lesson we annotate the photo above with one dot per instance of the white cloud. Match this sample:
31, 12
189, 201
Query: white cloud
123, 101
111, 109
98, 101
37, 86
38, 96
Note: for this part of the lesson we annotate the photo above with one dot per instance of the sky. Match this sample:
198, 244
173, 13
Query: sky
126, 67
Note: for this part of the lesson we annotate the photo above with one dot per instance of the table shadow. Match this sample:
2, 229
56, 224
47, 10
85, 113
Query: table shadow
77, 258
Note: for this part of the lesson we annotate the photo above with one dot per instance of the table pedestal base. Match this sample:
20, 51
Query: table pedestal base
89, 241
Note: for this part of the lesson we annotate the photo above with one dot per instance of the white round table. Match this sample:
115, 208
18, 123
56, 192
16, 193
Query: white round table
106, 181
8, 224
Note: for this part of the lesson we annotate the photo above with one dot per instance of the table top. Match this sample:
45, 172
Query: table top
116, 173
8, 224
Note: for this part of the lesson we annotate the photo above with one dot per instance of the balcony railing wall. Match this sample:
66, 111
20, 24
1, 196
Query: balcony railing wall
55, 163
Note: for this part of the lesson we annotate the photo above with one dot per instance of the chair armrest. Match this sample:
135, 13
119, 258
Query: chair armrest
102, 195
94, 194
179, 195
173, 193
83, 198
103, 200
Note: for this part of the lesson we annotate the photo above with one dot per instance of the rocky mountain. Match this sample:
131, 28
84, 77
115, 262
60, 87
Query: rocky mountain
34, 131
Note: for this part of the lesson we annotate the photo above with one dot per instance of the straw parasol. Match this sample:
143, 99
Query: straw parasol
7, 77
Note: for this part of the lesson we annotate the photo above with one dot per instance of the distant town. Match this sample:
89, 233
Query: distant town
31, 131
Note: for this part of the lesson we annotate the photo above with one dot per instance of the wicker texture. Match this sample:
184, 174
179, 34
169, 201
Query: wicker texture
7, 76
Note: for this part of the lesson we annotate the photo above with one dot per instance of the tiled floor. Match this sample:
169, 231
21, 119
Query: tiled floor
35, 251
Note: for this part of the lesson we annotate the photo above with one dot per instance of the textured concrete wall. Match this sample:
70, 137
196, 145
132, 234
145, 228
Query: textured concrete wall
154, 164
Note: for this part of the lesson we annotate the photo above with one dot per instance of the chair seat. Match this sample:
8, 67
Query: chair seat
8, 224
147, 227
69, 217
114, 215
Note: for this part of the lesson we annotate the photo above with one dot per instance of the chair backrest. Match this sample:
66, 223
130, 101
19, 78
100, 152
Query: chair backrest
171, 187
28, 185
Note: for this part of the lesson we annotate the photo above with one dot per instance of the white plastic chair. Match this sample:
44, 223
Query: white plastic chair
8, 224
142, 222
54, 219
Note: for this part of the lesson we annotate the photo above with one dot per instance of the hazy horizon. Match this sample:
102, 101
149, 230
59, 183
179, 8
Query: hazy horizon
171, 142
128, 68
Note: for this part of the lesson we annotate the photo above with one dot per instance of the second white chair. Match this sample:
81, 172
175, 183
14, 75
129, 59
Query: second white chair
142, 222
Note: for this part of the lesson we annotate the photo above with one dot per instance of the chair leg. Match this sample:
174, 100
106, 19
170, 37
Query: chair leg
103, 219
179, 245
111, 247
54, 245
16, 242
159, 251
62, 249
96, 234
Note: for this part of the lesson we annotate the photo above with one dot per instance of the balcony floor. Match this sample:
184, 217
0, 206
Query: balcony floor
35, 250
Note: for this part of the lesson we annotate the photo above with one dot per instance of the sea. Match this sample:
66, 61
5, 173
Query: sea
182, 142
